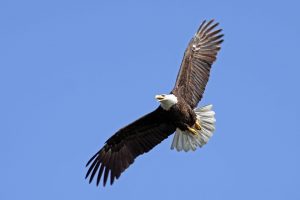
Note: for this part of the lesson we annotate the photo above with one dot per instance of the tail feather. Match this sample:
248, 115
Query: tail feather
184, 140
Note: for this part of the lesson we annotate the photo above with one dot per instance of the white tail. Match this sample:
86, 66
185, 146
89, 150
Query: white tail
184, 140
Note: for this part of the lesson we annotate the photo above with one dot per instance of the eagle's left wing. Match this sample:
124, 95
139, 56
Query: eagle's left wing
196, 64
126, 144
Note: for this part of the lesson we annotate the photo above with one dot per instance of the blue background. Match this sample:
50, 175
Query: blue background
74, 72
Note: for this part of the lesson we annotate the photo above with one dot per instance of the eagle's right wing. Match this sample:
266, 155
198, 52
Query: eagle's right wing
129, 142
196, 64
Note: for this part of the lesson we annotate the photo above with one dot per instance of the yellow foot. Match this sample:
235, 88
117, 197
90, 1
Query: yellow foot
193, 131
198, 125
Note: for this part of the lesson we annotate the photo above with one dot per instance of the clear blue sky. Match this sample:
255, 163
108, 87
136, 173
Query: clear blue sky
74, 72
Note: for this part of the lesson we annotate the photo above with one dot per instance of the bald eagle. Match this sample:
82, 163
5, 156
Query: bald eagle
177, 113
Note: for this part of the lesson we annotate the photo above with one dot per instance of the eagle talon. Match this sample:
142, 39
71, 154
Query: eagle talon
193, 131
198, 125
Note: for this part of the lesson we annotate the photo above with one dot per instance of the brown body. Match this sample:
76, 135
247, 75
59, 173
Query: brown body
181, 115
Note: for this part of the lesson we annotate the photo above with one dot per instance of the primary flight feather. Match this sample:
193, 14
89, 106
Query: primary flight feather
177, 113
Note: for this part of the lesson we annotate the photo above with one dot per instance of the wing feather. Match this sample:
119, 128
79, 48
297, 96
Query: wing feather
120, 151
196, 64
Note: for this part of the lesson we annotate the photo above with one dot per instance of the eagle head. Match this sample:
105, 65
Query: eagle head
166, 100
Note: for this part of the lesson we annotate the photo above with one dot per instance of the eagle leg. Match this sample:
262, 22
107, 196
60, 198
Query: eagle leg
198, 125
193, 131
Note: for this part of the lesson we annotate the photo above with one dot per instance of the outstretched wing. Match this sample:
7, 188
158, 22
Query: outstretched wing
129, 142
196, 64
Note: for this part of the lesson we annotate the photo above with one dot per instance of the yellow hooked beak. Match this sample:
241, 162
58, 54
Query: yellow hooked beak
160, 97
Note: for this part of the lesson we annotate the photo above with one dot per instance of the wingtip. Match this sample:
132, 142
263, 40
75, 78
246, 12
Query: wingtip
112, 182
207, 25
92, 158
90, 180
201, 25
210, 22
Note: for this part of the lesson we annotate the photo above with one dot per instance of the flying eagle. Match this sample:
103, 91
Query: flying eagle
177, 113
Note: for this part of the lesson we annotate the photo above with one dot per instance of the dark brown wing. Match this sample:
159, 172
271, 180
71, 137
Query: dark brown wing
198, 58
129, 142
